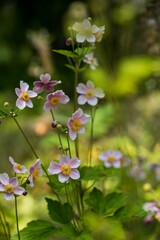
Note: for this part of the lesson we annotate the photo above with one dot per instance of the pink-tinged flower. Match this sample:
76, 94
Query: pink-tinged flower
24, 96
76, 123
99, 33
66, 168
35, 172
53, 100
18, 168
111, 158
85, 31
89, 93
151, 206
137, 172
91, 60
10, 186
45, 84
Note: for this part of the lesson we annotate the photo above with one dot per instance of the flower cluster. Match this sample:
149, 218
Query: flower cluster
153, 211
11, 186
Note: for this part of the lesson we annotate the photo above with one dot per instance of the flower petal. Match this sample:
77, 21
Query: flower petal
24, 86
54, 168
74, 174
4, 179
20, 103
8, 196
13, 181
19, 190
63, 178
74, 162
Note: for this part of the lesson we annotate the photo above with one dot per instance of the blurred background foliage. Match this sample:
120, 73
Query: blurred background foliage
128, 72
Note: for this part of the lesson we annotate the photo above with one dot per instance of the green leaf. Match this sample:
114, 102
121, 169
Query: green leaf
103, 228
106, 205
62, 213
96, 201
129, 212
66, 53
36, 230
91, 173
70, 67
84, 51
55, 184
114, 201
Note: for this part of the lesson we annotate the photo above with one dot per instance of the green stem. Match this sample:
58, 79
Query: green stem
4, 228
58, 133
77, 64
25, 137
76, 147
93, 110
70, 202
17, 223
69, 147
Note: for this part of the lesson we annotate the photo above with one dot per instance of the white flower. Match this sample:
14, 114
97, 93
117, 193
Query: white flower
85, 31
91, 60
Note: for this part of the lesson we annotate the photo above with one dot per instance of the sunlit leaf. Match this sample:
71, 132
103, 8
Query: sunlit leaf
58, 212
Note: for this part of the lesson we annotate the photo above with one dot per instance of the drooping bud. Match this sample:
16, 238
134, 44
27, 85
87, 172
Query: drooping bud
69, 41
54, 124
25, 193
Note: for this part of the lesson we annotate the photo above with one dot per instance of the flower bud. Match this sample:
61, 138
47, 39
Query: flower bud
69, 41
6, 104
54, 124
25, 193
147, 187
59, 125
39, 97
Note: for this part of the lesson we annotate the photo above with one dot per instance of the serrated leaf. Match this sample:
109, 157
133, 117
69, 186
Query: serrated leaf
36, 230
66, 53
114, 201
62, 213
128, 212
96, 201
91, 173
103, 228
105, 205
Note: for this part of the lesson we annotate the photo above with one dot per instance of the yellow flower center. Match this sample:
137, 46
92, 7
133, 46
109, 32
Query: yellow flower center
9, 188
76, 124
19, 166
54, 101
111, 159
89, 93
25, 96
65, 169
36, 173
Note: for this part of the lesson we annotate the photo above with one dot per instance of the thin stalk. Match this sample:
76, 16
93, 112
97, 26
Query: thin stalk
4, 228
91, 135
76, 147
58, 133
69, 147
17, 223
70, 202
75, 85
25, 137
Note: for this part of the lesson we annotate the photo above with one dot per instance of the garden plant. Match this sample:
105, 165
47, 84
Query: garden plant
80, 205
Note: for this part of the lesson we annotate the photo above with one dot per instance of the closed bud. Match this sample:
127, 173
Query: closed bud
69, 41
25, 193
59, 125
54, 124
6, 104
